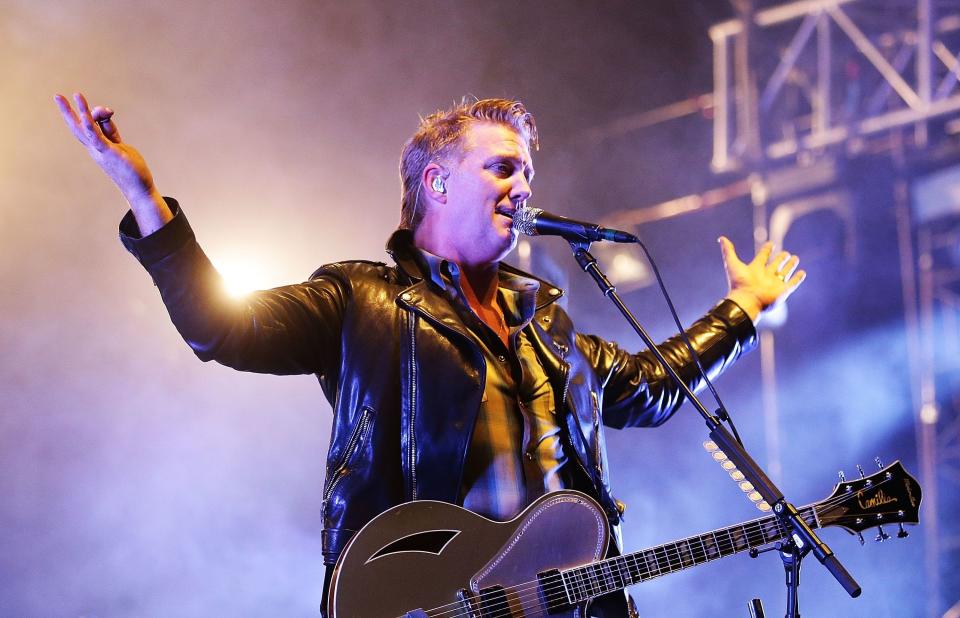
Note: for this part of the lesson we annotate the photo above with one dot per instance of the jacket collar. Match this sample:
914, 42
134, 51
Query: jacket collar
419, 265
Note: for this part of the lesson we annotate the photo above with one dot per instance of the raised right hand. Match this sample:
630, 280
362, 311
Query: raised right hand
98, 133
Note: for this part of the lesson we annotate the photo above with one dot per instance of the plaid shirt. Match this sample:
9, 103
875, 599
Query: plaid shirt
515, 453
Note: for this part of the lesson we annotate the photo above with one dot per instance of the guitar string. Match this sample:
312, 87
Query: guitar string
619, 567
589, 590
555, 587
596, 588
556, 590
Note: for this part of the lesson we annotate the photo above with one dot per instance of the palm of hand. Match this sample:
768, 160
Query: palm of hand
766, 280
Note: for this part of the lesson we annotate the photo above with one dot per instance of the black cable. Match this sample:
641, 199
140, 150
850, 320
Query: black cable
722, 410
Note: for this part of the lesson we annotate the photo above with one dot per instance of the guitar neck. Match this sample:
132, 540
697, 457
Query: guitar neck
592, 580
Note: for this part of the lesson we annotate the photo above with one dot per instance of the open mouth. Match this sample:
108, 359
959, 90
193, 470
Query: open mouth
506, 211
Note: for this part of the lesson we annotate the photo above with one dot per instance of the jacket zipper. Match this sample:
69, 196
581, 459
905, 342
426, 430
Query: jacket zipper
563, 399
598, 481
348, 452
412, 321
596, 432
566, 383
413, 383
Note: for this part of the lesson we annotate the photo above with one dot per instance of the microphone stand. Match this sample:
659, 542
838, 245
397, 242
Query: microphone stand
803, 538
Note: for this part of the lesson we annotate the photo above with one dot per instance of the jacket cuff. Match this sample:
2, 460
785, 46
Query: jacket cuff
738, 322
149, 250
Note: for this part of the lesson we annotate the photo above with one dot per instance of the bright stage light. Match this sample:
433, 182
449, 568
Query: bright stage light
625, 265
242, 275
523, 250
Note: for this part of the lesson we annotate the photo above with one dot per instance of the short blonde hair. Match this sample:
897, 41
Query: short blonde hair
441, 132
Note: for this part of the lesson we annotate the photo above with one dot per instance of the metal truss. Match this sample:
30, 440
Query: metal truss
803, 77
932, 301
797, 87
798, 81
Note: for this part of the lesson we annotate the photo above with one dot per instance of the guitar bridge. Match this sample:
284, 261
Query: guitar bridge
491, 602
469, 603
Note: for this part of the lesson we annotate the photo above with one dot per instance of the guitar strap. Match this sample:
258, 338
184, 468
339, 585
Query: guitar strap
575, 477
327, 577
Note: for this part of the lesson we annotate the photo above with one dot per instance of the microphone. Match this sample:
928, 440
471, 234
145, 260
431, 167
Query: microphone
536, 222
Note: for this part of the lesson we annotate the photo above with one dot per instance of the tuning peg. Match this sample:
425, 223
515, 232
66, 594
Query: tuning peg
903, 533
881, 536
860, 470
860, 536
843, 478
879, 463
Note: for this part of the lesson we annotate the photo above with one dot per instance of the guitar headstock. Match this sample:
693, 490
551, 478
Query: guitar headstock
890, 496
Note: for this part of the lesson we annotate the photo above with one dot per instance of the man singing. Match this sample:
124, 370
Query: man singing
452, 376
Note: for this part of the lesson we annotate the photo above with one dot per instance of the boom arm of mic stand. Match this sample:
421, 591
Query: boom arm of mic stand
788, 513
719, 434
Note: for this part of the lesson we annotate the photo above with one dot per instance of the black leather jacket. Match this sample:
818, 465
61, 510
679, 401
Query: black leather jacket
403, 376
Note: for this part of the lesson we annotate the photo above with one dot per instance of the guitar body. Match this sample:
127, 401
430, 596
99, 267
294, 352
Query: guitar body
422, 558
431, 559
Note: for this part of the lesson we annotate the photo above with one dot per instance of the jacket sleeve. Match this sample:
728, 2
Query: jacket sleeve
287, 330
637, 391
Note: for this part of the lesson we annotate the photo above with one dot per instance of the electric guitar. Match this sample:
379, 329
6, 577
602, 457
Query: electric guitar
428, 559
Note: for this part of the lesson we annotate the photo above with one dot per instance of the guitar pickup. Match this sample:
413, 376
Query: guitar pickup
552, 593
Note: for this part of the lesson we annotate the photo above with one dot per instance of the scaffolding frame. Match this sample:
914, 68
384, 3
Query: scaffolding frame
892, 92
800, 80
796, 86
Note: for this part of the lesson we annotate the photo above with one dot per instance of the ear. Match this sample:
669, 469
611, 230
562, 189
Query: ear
433, 182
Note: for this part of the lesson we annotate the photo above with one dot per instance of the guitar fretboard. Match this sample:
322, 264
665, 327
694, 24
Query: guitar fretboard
586, 582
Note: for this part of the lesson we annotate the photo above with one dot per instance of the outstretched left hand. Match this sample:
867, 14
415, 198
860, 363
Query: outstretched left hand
764, 282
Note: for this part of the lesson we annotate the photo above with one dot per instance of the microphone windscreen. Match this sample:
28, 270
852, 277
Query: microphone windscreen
525, 220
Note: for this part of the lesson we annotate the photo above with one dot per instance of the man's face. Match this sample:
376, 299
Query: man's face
486, 181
